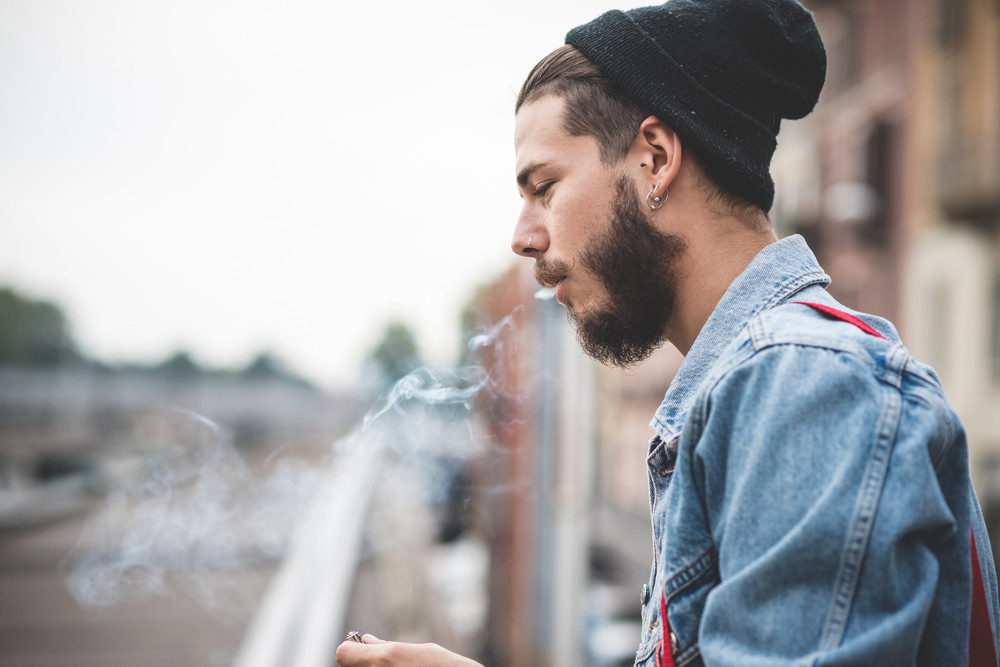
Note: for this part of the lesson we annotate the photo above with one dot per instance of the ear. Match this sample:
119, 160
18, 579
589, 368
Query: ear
659, 148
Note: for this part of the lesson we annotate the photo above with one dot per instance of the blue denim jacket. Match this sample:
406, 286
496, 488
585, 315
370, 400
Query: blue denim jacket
809, 489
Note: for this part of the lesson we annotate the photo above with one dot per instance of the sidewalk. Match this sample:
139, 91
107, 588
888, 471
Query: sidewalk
41, 625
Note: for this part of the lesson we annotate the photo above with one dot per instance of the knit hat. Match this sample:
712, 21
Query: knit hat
720, 73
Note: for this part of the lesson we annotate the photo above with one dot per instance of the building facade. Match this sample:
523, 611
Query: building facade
895, 181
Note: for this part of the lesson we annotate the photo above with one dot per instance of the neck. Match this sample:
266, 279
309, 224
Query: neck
718, 251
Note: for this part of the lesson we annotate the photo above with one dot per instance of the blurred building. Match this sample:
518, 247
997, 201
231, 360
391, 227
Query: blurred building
69, 431
895, 182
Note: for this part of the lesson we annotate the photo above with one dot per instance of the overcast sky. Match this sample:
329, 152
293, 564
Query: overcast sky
231, 176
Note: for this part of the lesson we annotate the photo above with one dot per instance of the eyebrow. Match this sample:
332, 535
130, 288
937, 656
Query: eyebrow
524, 175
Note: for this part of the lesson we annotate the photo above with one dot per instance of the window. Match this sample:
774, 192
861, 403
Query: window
952, 22
854, 44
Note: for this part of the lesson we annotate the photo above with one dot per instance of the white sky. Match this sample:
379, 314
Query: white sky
230, 176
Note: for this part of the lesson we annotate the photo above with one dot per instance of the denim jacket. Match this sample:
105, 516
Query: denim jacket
810, 491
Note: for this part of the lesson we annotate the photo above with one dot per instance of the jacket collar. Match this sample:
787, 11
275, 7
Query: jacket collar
777, 272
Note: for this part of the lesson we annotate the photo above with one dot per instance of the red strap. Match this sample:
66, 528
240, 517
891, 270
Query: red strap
841, 315
981, 650
667, 650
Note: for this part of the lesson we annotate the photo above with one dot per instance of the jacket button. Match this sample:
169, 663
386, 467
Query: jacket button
644, 595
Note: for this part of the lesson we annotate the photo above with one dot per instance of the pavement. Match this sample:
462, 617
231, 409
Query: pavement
41, 624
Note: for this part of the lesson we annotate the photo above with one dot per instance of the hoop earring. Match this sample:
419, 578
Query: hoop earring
659, 200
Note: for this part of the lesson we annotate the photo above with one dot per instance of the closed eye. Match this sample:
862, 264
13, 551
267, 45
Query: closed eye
542, 189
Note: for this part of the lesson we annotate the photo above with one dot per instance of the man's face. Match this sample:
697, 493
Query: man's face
584, 224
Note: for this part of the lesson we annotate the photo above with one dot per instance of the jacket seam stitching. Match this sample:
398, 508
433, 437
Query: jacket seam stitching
688, 574
864, 513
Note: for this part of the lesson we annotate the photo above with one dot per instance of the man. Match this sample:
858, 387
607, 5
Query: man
809, 483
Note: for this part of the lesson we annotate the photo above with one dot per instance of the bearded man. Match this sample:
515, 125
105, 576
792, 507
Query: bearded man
809, 482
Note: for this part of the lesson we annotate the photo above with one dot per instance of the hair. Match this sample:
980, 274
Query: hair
596, 107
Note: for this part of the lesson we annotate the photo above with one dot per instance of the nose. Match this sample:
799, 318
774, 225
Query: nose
530, 238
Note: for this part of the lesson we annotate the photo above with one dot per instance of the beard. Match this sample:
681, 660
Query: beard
635, 262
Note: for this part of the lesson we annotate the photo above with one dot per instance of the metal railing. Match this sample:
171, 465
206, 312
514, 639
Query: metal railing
298, 621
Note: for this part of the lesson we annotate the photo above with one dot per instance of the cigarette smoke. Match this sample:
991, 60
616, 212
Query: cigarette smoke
196, 514
545, 294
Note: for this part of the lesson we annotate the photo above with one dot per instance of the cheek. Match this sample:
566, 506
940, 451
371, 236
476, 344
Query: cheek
579, 217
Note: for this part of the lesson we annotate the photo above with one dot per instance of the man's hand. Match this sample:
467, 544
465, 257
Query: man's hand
377, 653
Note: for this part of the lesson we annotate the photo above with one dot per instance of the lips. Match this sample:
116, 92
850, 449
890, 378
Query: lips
561, 292
551, 282
552, 273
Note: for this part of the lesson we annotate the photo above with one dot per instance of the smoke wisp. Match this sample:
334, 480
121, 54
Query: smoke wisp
196, 513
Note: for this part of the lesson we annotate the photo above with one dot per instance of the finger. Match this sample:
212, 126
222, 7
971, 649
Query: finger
351, 654
372, 639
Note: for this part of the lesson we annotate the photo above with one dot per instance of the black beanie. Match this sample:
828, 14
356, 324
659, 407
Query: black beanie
720, 73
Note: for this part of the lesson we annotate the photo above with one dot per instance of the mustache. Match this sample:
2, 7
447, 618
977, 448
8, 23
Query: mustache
548, 272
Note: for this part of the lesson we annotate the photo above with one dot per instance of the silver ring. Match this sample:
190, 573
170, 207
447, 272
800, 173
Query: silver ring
659, 200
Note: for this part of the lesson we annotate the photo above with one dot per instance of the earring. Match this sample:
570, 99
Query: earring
659, 200
642, 164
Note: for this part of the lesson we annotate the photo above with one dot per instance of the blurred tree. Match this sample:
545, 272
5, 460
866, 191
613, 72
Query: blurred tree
33, 332
179, 365
264, 365
268, 366
396, 354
